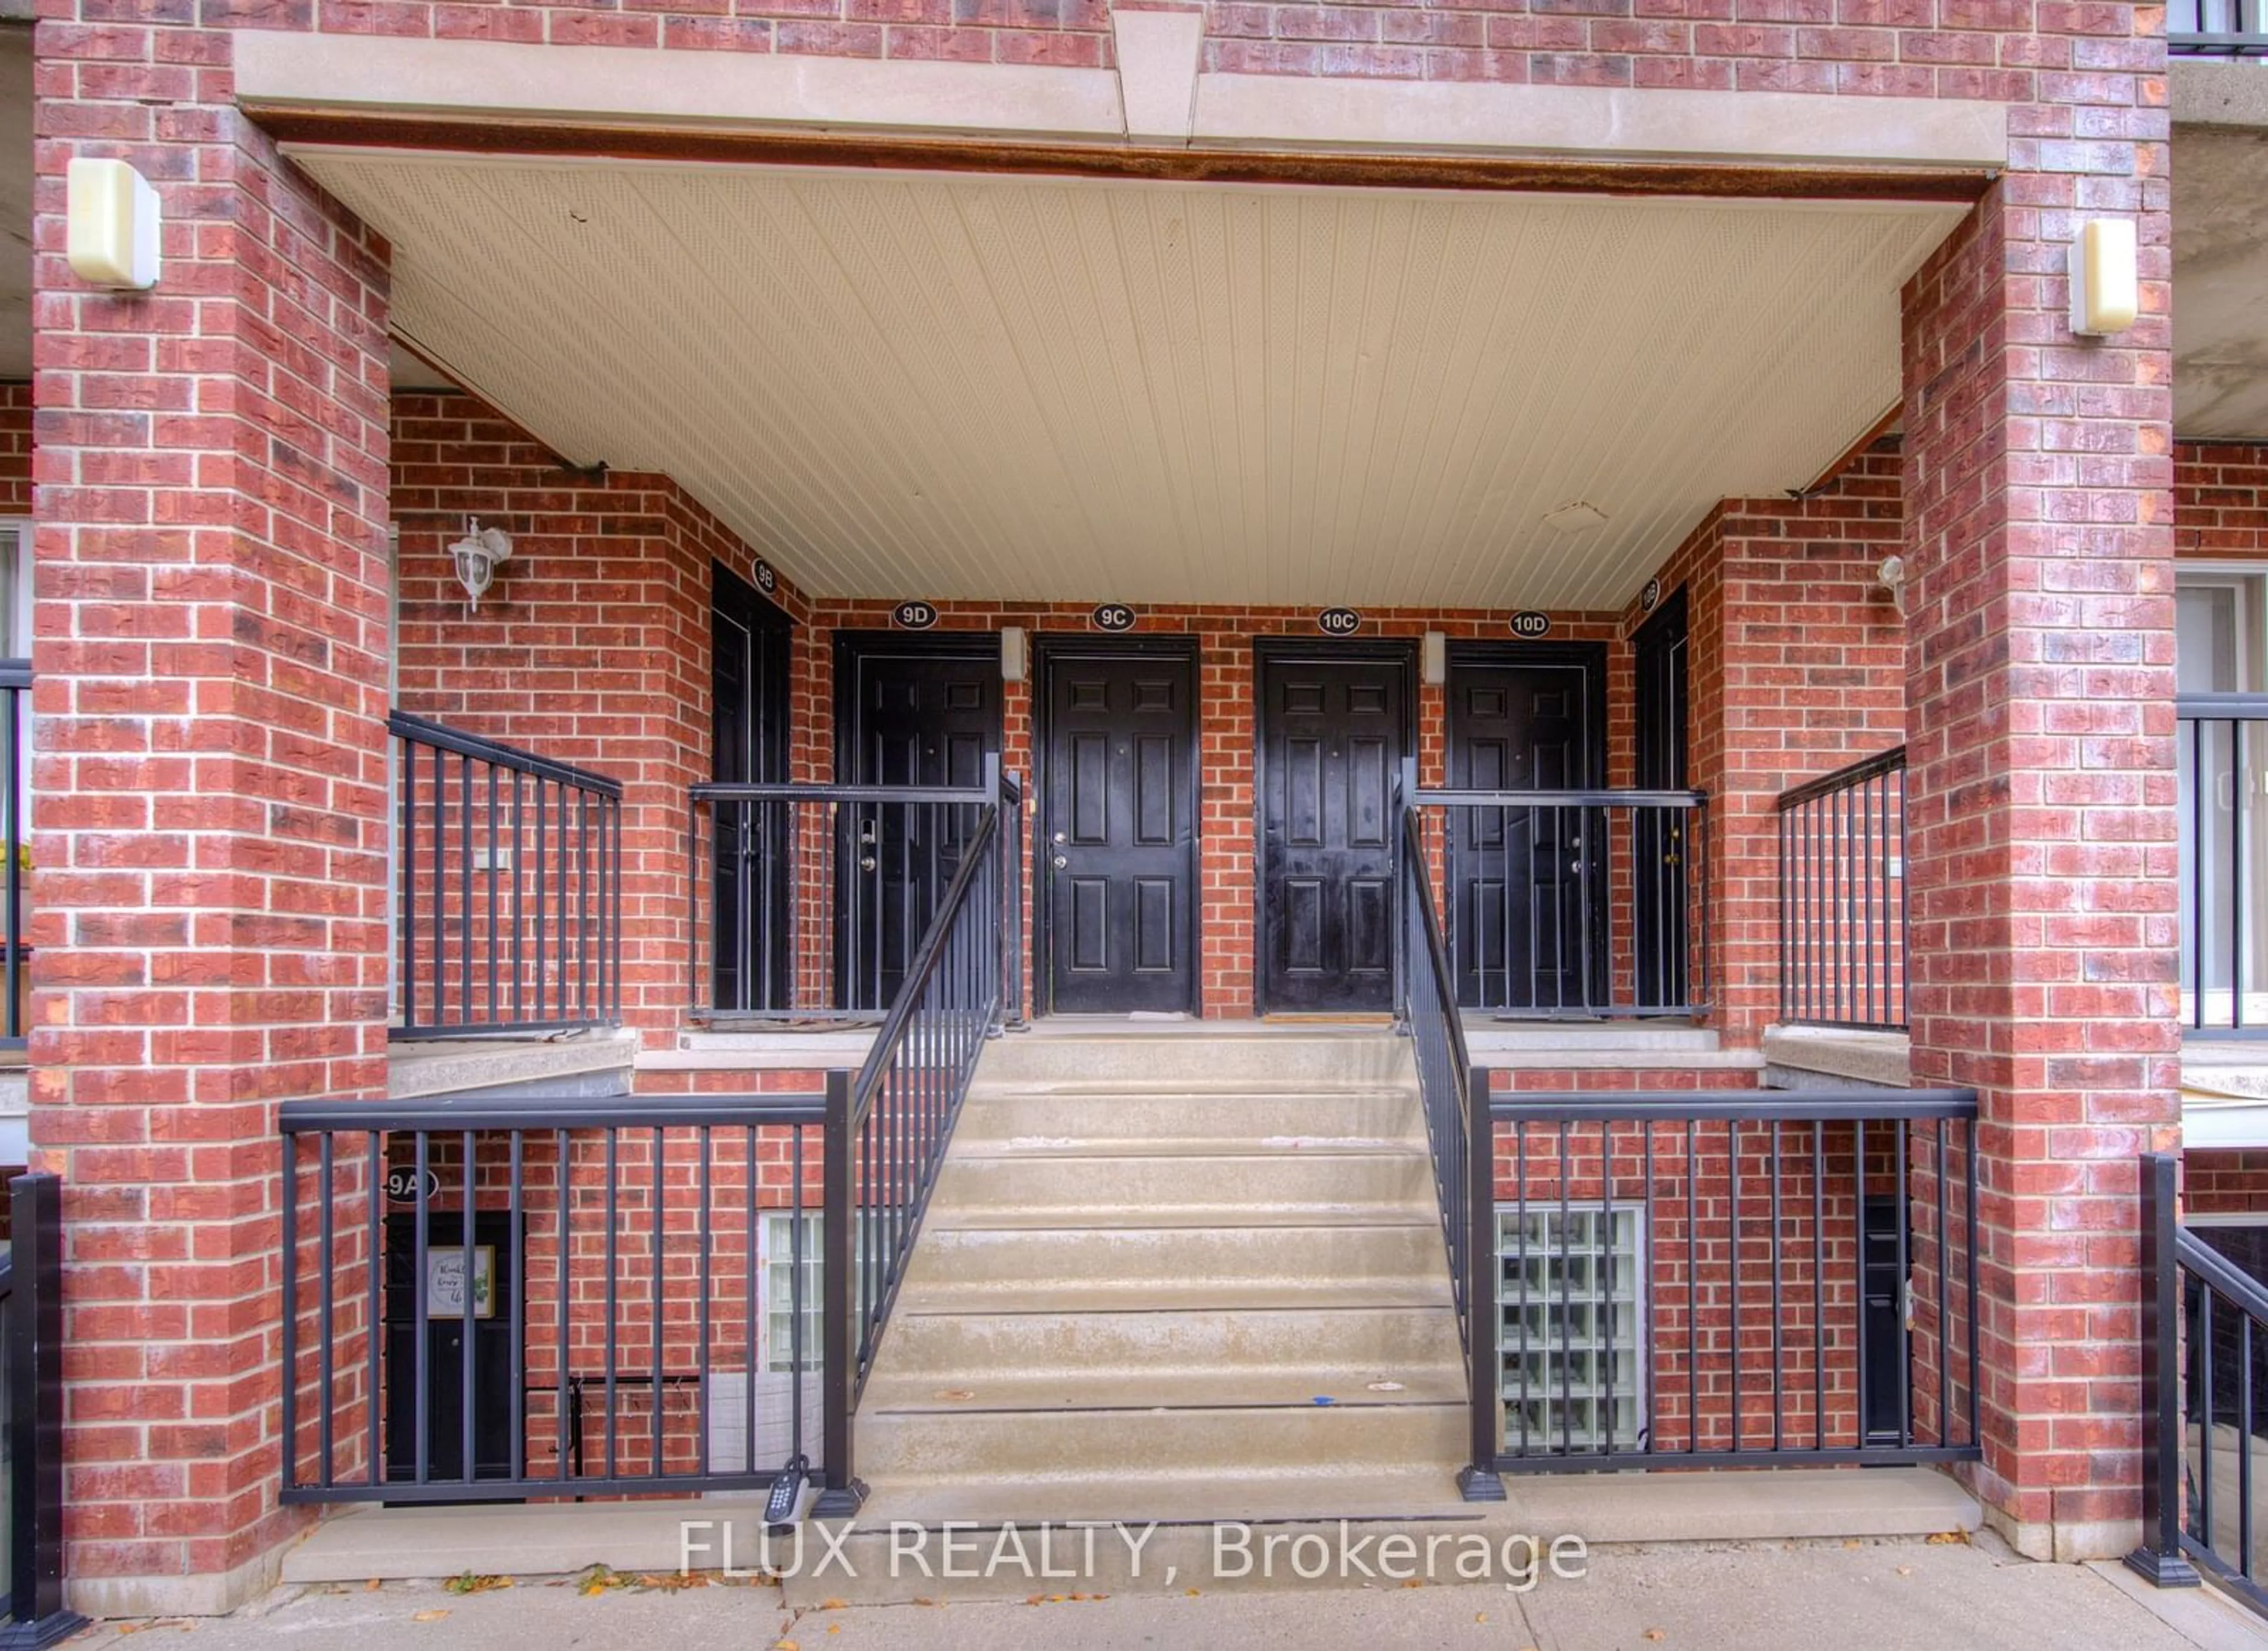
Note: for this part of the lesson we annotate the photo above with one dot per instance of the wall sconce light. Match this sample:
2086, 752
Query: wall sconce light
1433, 659
1014, 652
111, 233
2105, 277
1891, 576
478, 556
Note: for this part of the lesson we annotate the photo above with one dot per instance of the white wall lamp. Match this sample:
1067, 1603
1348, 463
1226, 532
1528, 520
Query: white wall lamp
1015, 653
1891, 576
2105, 277
111, 236
478, 556
1433, 659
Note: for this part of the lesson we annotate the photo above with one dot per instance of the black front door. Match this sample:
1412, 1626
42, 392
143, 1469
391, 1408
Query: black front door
1527, 884
1333, 727
910, 711
1117, 843
1663, 836
750, 640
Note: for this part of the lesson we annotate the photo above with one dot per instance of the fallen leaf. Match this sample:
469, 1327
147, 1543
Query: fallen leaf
1851, 1541
923, 1600
1034, 1599
833, 1605
785, 1645
1655, 1634
834, 1627
466, 1582
1905, 1570
373, 1586
1480, 1617
1947, 1539
427, 1616
1192, 1592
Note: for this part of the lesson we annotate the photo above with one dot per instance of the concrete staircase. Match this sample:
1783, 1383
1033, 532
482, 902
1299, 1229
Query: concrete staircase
1174, 1277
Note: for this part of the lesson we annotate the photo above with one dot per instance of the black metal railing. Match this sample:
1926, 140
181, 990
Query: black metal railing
500, 1299
2205, 1402
1692, 1280
16, 843
2222, 749
888, 1126
1843, 897
509, 869
808, 903
2217, 28
1426, 1006
1575, 905
31, 1421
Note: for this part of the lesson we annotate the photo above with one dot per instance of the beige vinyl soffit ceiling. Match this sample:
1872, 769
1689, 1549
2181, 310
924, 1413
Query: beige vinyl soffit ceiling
950, 386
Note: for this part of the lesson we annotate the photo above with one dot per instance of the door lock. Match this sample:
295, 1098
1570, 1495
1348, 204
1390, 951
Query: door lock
1061, 862
866, 863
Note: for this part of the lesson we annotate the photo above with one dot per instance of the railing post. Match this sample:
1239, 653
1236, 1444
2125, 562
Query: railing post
842, 1495
35, 1417
1398, 916
1478, 1479
2159, 1557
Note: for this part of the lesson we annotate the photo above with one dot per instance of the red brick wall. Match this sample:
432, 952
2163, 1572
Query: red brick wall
2225, 1183
1797, 666
15, 449
591, 648
2041, 808
2221, 499
208, 822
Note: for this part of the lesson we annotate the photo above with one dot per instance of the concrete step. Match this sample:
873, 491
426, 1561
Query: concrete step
1243, 1387
974, 1350
1227, 1443
1076, 1183
1267, 1055
978, 1262
1056, 1218
1046, 1118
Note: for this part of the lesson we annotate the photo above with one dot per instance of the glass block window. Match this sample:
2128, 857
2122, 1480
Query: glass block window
779, 1257
1572, 1295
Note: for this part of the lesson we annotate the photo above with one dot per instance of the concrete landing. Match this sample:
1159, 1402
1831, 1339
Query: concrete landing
1606, 1510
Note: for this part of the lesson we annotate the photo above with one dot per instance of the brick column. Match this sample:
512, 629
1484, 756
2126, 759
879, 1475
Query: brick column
2042, 818
210, 789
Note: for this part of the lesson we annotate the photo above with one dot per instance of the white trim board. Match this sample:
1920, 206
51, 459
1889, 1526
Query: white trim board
756, 91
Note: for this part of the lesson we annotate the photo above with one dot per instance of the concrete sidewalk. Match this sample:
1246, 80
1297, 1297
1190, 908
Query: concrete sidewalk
1877, 1595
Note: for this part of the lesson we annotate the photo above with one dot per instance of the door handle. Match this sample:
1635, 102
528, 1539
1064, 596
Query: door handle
1061, 862
866, 863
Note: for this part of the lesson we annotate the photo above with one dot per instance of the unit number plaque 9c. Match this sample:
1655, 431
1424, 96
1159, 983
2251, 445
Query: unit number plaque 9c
1112, 616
